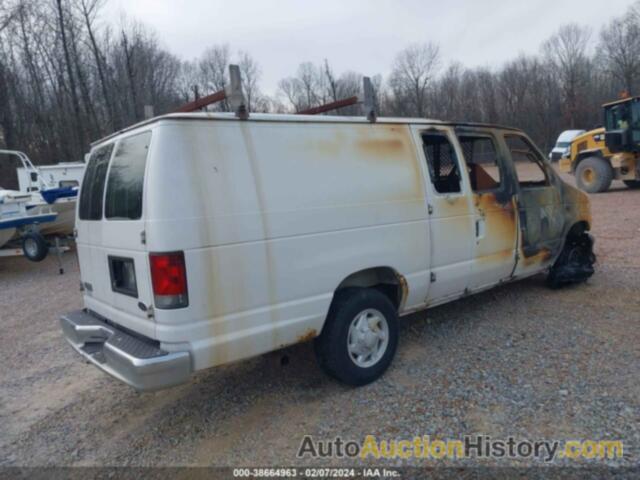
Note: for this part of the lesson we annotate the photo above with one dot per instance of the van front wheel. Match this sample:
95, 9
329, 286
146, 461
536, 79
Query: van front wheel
359, 339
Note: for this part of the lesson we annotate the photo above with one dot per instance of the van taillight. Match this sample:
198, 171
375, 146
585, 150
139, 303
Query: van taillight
169, 279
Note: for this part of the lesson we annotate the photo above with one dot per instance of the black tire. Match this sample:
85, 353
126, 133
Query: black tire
594, 175
632, 183
34, 246
331, 347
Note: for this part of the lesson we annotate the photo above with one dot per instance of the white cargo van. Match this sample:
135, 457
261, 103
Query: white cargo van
204, 239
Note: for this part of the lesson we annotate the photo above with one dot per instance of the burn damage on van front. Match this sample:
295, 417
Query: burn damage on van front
553, 217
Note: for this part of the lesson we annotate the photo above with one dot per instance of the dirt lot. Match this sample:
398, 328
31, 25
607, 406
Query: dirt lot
518, 360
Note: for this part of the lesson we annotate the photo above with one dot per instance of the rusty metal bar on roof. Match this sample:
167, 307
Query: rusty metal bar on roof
330, 106
202, 102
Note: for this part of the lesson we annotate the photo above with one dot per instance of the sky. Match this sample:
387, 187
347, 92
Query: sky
360, 35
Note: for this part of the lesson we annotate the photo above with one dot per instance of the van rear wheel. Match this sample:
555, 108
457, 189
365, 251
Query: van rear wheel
594, 175
360, 336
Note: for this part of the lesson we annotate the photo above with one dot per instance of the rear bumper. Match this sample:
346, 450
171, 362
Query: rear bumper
138, 362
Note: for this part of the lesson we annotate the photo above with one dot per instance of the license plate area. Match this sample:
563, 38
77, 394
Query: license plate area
123, 276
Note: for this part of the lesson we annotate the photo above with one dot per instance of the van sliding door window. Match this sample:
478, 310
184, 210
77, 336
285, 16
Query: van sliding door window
481, 157
126, 178
442, 162
92, 190
527, 162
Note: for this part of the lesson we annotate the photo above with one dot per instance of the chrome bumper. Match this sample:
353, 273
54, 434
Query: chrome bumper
136, 361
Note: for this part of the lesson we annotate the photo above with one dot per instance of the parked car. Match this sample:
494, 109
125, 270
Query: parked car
204, 239
561, 148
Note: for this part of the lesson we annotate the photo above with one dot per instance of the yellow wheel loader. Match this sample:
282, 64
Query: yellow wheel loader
599, 156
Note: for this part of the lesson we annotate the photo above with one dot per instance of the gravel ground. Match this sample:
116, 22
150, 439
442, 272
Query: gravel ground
518, 360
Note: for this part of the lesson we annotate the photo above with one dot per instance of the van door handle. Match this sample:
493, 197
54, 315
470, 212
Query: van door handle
480, 227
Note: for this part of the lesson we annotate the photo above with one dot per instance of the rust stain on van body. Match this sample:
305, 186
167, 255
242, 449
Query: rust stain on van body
392, 143
455, 206
371, 143
543, 256
385, 142
382, 148
308, 335
500, 226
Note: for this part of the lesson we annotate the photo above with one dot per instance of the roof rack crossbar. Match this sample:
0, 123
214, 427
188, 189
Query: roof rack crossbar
327, 107
232, 92
202, 102
367, 102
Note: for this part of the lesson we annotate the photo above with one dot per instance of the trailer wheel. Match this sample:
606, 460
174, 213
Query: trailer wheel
594, 175
34, 246
632, 183
359, 339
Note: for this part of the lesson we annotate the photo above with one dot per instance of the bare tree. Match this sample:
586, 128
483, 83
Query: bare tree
619, 44
79, 128
67, 77
413, 71
566, 52
213, 71
305, 89
7, 13
89, 9
250, 72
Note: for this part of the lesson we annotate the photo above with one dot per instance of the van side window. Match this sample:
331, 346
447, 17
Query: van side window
92, 190
526, 161
442, 162
481, 157
126, 178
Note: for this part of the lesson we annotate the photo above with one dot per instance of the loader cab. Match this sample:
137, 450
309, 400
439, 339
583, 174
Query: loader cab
622, 125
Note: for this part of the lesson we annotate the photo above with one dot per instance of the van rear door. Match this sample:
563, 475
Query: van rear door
111, 241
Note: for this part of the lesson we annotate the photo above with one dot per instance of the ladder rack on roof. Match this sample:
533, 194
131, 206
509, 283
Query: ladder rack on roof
233, 93
368, 103
327, 107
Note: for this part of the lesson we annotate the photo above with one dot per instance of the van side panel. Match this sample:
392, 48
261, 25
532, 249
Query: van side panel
272, 217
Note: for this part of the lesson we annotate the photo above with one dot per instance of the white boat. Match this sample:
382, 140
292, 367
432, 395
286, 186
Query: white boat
16, 216
51, 188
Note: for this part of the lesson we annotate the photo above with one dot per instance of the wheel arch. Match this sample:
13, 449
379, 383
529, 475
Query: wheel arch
386, 279
575, 229
583, 155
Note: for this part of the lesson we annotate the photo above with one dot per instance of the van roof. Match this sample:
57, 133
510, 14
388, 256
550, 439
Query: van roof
279, 117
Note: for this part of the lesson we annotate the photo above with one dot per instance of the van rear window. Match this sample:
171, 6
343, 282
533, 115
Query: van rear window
126, 178
92, 190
